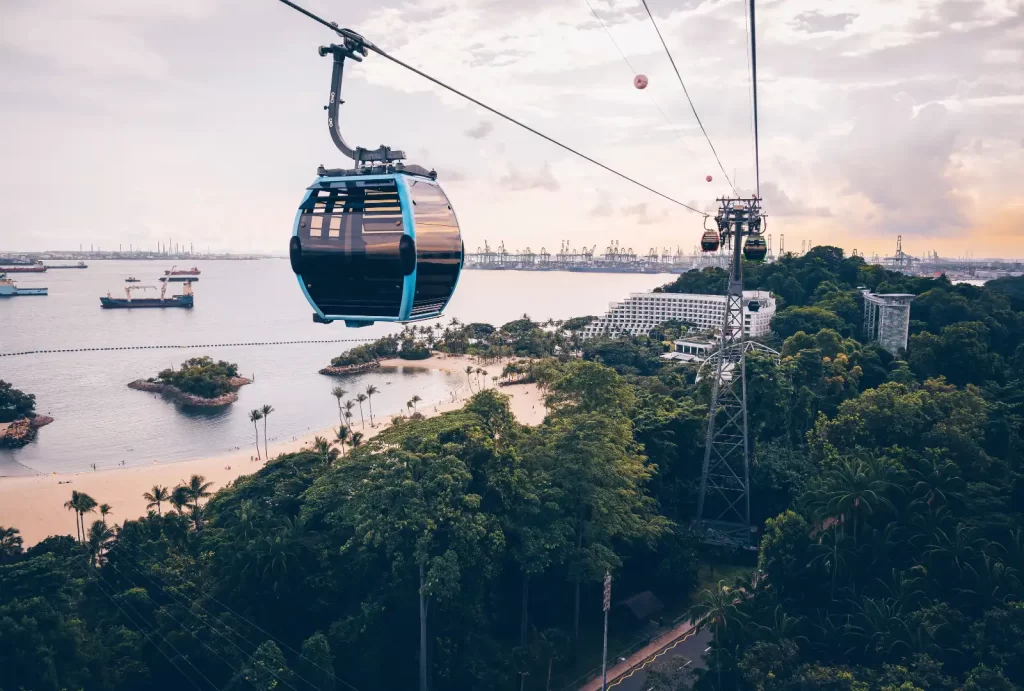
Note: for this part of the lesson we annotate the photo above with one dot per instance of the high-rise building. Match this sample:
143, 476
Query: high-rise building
887, 319
641, 312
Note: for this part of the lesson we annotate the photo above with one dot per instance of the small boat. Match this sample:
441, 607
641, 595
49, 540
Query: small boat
184, 300
132, 279
9, 289
175, 271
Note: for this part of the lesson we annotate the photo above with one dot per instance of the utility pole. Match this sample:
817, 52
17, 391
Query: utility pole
607, 606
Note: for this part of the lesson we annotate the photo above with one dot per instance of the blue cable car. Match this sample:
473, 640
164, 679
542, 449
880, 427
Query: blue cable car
379, 242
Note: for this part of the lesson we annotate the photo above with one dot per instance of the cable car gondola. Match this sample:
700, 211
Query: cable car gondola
755, 249
379, 242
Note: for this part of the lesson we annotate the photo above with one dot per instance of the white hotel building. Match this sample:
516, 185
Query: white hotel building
641, 312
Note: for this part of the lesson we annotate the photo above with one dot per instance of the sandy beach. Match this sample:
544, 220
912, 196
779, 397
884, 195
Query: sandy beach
35, 503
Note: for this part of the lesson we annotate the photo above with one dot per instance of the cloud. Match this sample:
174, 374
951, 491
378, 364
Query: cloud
778, 203
481, 130
815, 22
640, 213
519, 182
603, 208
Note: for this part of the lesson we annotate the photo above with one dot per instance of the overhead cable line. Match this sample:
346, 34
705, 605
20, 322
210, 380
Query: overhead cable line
635, 73
379, 51
750, 98
753, 76
689, 100
97, 579
175, 598
241, 618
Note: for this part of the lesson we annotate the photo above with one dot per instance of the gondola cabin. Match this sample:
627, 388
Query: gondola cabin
755, 249
380, 247
709, 242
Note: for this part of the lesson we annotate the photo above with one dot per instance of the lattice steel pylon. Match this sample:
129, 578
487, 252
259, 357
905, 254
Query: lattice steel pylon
723, 512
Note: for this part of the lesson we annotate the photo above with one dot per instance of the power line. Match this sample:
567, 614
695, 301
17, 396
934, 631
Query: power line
753, 76
240, 618
97, 579
128, 560
635, 73
379, 51
689, 100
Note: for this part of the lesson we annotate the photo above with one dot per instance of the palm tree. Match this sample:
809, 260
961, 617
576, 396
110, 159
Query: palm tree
341, 435
359, 399
86, 504
414, 401
254, 416
855, 487
98, 541
104, 510
180, 497
10, 543
72, 505
266, 410
197, 488
357, 439
715, 608
325, 449
339, 393
469, 373
370, 390
155, 497
408, 406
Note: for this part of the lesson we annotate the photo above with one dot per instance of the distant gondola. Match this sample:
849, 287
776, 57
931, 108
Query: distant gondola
755, 249
710, 241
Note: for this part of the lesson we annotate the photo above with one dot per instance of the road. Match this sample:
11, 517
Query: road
690, 647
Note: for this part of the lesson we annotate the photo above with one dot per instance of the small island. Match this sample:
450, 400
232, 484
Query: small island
18, 419
200, 382
362, 358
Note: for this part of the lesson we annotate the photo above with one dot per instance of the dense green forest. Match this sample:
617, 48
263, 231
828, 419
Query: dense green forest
201, 376
468, 550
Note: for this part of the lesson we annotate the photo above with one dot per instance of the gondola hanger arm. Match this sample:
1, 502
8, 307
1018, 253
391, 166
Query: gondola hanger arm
353, 47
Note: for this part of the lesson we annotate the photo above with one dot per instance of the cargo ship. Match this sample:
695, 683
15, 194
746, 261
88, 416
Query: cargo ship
128, 302
36, 268
9, 289
179, 279
175, 271
79, 265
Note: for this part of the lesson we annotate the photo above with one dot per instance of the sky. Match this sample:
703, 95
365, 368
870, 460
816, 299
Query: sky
202, 121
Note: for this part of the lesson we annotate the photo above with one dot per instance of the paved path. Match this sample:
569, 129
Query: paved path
627, 675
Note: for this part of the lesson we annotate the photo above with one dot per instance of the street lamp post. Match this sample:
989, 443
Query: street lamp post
604, 653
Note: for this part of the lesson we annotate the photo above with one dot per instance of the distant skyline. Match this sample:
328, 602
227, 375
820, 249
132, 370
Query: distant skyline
138, 122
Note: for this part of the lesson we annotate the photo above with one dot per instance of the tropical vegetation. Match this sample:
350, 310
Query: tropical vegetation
466, 551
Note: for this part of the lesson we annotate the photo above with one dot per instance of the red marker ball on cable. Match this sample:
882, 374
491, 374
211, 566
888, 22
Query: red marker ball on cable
640, 81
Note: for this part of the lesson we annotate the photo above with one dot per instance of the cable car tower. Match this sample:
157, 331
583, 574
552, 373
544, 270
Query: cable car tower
723, 510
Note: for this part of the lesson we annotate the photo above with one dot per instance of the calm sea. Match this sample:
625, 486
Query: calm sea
98, 419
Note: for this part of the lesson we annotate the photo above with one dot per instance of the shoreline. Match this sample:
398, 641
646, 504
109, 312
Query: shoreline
34, 504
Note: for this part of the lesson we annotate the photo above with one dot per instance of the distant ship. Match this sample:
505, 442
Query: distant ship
178, 278
128, 302
36, 268
132, 279
9, 289
175, 271
79, 265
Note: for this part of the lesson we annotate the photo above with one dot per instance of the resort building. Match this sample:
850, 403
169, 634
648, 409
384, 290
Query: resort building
887, 319
641, 312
